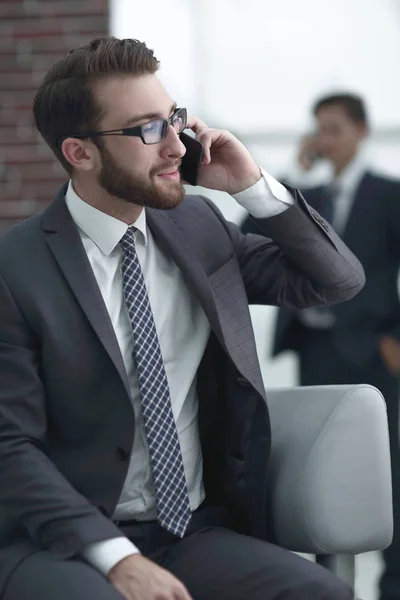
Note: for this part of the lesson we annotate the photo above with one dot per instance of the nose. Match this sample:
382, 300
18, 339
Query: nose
172, 145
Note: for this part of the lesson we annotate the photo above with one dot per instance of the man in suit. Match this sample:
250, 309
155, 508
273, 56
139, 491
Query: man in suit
359, 341
134, 432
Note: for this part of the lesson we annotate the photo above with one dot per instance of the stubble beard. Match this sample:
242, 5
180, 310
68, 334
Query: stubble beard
133, 190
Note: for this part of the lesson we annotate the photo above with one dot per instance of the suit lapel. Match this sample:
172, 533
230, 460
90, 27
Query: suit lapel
65, 243
173, 242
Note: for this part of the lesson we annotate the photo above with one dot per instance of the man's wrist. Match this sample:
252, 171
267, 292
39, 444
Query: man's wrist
266, 198
122, 565
104, 555
248, 182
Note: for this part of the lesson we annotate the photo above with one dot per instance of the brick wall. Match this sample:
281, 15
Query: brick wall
33, 35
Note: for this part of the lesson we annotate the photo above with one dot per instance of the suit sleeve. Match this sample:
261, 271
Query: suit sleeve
33, 492
297, 261
249, 225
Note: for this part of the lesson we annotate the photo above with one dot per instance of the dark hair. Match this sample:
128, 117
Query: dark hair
65, 101
352, 104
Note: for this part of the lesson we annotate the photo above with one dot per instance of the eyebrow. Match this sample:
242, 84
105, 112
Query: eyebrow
148, 117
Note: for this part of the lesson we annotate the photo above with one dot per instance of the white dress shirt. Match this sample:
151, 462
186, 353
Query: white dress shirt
182, 341
347, 183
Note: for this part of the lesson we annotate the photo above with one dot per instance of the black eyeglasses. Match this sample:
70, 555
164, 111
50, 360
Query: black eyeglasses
152, 132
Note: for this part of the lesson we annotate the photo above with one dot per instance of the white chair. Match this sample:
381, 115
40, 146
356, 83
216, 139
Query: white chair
330, 480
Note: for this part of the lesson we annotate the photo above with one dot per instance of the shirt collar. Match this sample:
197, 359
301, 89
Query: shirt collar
352, 174
103, 229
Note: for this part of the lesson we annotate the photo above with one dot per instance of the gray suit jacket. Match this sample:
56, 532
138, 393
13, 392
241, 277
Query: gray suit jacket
66, 420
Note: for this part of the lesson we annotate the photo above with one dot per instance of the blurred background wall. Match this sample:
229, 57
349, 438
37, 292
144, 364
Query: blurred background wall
33, 35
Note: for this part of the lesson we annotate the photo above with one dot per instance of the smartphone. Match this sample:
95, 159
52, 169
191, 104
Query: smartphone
191, 162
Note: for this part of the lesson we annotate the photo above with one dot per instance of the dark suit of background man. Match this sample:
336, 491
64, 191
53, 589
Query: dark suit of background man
134, 433
356, 342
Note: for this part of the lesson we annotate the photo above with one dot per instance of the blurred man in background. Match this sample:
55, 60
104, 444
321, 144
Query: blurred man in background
356, 342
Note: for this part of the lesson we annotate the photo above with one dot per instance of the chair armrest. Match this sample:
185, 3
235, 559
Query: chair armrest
330, 480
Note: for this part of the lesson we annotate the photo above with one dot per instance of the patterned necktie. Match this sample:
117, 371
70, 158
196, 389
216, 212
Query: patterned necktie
173, 508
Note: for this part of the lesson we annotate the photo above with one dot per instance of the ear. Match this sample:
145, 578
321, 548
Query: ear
79, 153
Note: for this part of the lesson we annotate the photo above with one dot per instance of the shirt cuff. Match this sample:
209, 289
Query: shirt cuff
103, 556
266, 198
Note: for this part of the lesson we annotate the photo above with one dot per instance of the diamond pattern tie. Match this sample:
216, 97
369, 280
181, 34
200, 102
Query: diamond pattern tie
173, 508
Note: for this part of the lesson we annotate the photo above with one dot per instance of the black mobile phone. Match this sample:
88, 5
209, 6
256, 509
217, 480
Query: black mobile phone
191, 162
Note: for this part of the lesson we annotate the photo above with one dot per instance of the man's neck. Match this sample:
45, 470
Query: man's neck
110, 205
339, 168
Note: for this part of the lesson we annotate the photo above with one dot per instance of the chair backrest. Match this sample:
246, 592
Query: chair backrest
330, 479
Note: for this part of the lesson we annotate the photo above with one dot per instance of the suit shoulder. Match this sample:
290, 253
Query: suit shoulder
197, 200
314, 191
196, 204
20, 236
198, 216
386, 182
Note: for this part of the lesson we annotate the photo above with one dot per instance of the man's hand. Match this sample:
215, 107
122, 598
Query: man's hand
389, 348
309, 152
137, 578
227, 164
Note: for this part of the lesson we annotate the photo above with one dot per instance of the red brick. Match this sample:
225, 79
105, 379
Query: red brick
26, 189
23, 208
33, 194
17, 10
31, 28
27, 62
57, 43
23, 134
18, 81
33, 35
20, 100
10, 116
15, 154
11, 211
39, 171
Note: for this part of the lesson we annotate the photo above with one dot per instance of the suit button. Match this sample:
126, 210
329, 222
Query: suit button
122, 454
242, 381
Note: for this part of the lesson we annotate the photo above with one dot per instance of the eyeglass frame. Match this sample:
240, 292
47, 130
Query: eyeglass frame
135, 131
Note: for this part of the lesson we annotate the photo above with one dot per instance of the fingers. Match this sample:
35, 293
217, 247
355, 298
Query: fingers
202, 135
208, 137
195, 124
205, 137
183, 594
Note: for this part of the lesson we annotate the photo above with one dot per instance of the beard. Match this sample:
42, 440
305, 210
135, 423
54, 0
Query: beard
115, 180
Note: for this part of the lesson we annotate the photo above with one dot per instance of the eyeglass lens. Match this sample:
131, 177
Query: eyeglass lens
155, 131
